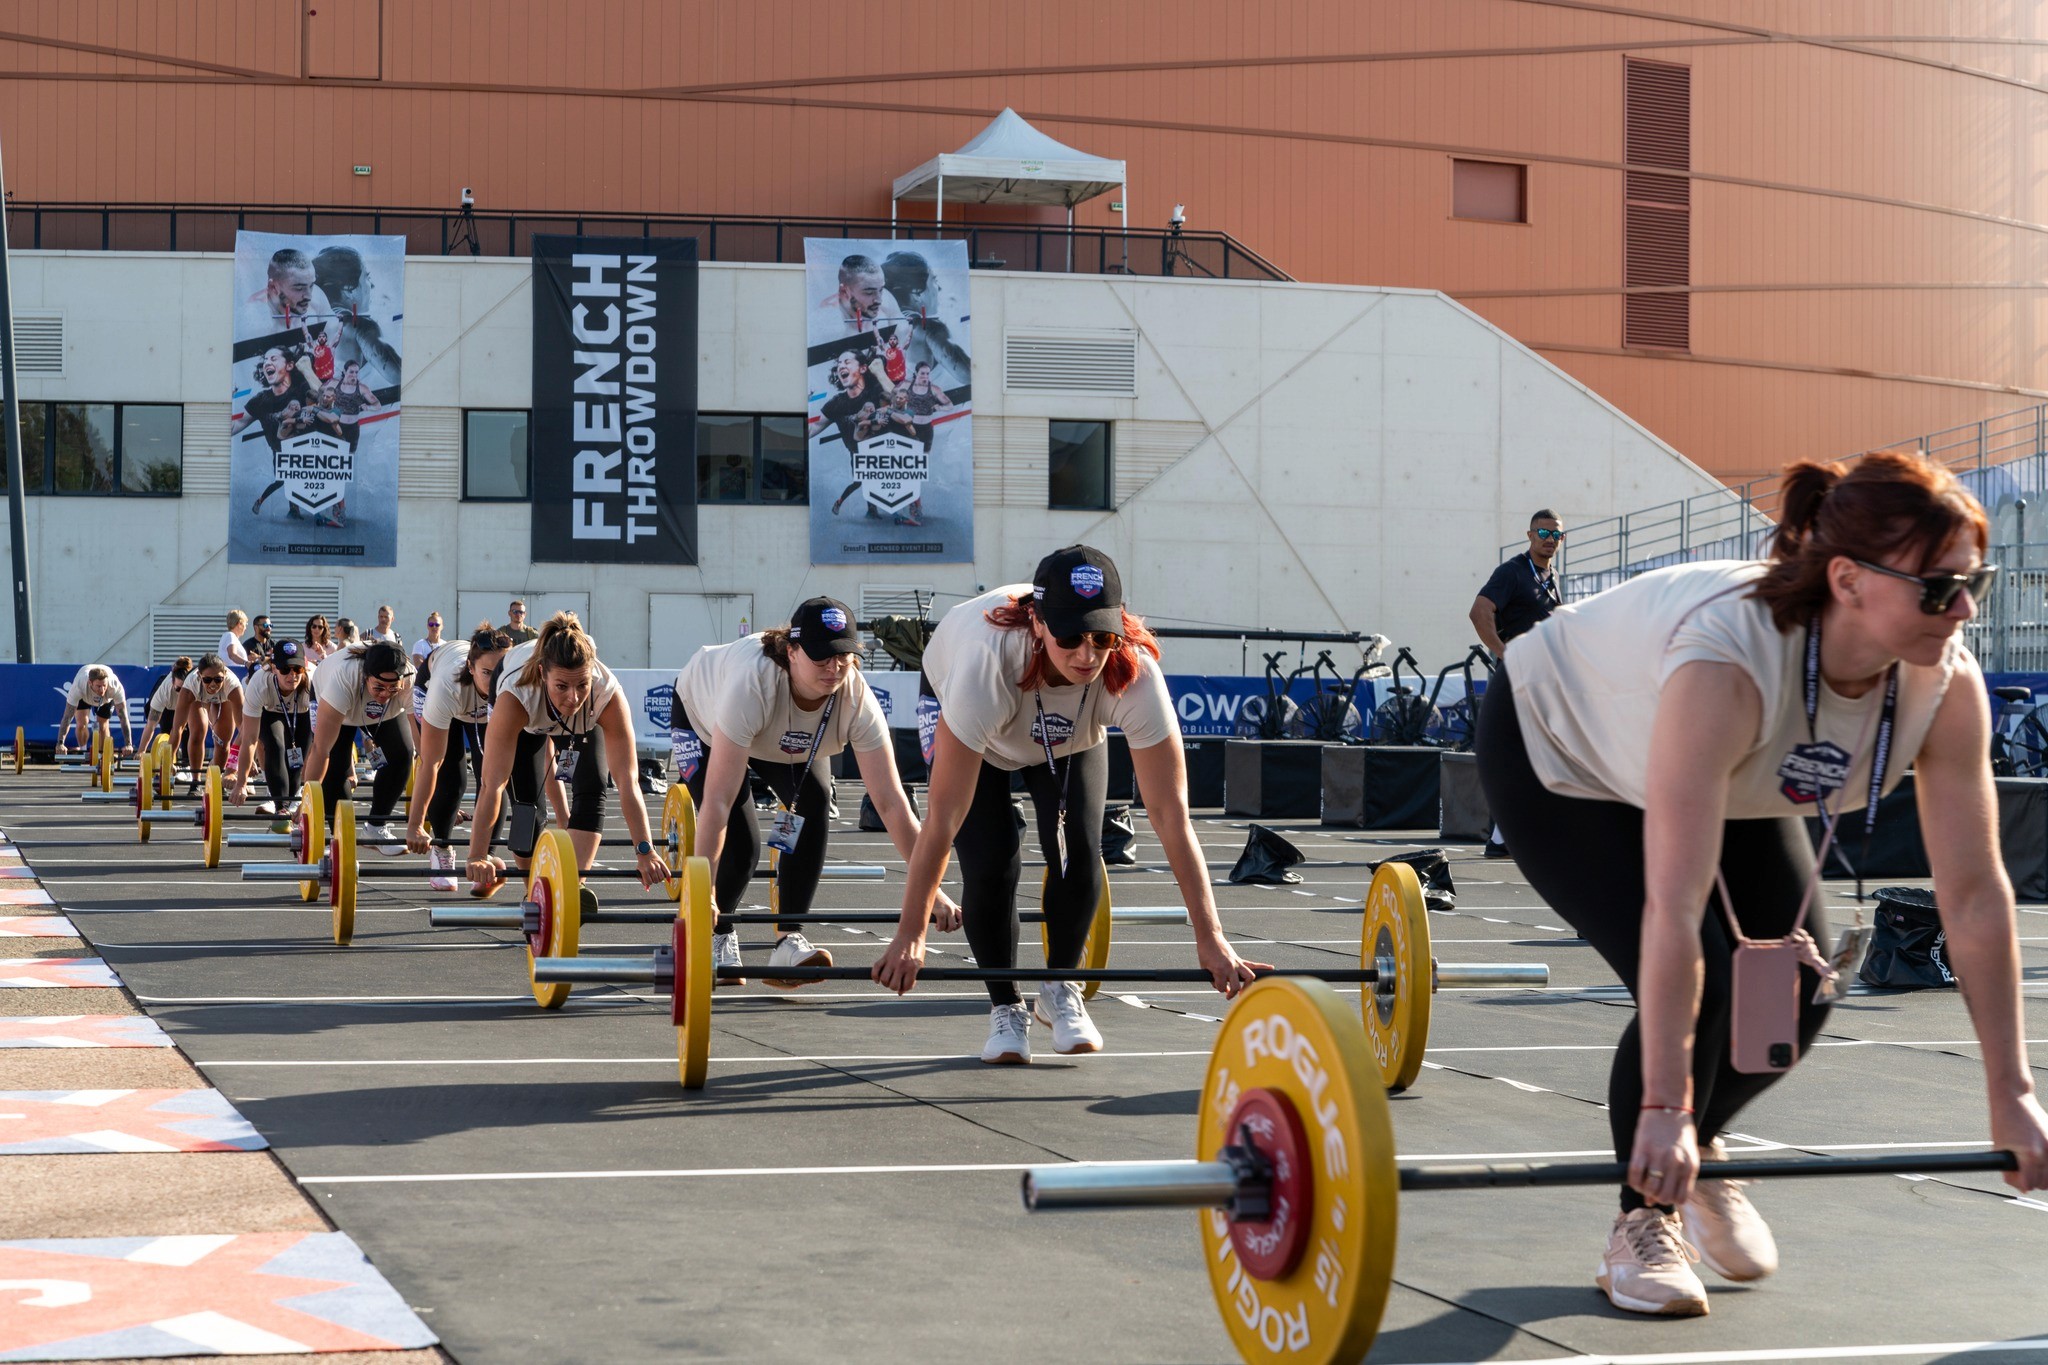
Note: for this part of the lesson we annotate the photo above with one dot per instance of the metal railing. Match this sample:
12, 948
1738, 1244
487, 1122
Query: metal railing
2002, 460
1049, 248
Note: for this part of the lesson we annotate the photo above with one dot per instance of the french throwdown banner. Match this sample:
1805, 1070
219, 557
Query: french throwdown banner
891, 401
615, 400
314, 400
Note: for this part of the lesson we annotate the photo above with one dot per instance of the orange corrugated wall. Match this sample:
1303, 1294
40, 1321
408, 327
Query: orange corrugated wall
1870, 210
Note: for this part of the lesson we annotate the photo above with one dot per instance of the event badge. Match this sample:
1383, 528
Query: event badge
1847, 957
784, 829
295, 758
565, 763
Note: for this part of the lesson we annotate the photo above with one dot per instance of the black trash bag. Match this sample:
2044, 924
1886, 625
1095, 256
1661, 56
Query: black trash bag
1909, 948
653, 777
1119, 837
1433, 867
1265, 860
871, 819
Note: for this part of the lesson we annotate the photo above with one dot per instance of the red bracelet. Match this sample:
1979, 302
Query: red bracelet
1684, 1109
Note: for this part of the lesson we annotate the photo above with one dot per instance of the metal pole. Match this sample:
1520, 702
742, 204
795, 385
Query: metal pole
10, 415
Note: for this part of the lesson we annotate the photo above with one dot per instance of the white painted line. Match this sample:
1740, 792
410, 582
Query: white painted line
665, 1061
1929, 1348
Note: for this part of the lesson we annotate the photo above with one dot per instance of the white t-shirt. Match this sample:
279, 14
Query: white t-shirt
230, 649
533, 696
735, 690
973, 668
165, 697
263, 694
423, 647
450, 693
338, 683
80, 695
1587, 683
229, 691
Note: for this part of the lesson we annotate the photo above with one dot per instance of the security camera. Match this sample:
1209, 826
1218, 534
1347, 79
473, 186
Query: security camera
1180, 215
468, 199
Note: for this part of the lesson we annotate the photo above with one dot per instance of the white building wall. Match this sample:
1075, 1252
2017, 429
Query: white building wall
1297, 456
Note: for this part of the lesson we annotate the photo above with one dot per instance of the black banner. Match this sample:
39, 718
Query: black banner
615, 400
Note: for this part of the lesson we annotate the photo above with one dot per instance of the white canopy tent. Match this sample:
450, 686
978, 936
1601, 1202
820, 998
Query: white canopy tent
1011, 162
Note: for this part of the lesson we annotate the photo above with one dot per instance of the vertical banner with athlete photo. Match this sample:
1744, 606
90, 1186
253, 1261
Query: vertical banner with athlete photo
891, 401
614, 400
314, 400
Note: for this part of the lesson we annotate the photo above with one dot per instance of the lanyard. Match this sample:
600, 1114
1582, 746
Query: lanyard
1066, 779
556, 716
1879, 761
824, 723
1545, 587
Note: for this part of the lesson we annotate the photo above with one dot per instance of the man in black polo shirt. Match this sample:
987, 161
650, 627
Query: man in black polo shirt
1521, 592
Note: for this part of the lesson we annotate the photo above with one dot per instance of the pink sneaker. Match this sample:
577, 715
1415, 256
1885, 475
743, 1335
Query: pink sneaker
1648, 1267
1733, 1238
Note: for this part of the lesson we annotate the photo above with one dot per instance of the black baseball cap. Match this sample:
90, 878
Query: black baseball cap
287, 655
1078, 589
824, 626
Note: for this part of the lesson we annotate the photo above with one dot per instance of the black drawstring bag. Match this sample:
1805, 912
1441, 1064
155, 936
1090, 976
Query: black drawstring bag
1119, 837
1265, 860
1909, 948
871, 820
1433, 867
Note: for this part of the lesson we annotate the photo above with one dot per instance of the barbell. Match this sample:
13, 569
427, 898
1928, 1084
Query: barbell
20, 749
1297, 1185
686, 971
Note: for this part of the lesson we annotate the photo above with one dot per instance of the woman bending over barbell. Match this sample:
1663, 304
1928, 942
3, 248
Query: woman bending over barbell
359, 688
461, 676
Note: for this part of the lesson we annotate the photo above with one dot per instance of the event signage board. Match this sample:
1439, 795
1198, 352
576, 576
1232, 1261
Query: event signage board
314, 392
891, 386
614, 400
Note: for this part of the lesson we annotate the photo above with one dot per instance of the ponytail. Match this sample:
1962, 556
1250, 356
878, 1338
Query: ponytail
562, 644
1807, 485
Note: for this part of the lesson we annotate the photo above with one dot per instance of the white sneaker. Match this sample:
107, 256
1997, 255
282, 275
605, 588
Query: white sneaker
390, 844
266, 808
1059, 1007
725, 952
441, 862
1009, 1036
794, 950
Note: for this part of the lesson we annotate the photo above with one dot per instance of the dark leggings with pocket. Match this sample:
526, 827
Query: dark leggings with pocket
991, 852
796, 873
531, 774
449, 780
1585, 858
281, 733
394, 741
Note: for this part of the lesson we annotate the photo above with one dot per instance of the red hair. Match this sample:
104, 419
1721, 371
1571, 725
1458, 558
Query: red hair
1118, 674
1882, 504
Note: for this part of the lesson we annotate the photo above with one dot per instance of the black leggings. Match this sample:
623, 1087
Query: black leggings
991, 852
282, 732
448, 781
1586, 859
394, 741
530, 776
796, 874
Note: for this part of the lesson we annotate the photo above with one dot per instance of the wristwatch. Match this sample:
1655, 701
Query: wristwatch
643, 848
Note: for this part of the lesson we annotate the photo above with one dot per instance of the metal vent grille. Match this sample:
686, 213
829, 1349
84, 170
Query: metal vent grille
1103, 362
291, 602
1658, 207
184, 630
39, 345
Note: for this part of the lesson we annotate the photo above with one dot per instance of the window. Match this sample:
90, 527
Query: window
749, 458
136, 449
1490, 191
1079, 467
497, 456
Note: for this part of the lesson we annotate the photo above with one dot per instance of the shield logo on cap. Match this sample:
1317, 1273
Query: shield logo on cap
1086, 579
833, 618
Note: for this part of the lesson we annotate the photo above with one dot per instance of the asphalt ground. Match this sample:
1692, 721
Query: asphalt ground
539, 1186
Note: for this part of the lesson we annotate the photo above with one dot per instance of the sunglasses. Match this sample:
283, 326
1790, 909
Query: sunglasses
1938, 591
1103, 640
1546, 534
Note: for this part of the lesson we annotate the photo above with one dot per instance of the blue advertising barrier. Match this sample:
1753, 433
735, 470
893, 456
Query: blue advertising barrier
32, 696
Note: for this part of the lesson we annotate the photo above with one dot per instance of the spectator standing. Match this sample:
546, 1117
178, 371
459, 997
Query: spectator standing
258, 643
1521, 592
426, 645
345, 634
515, 623
319, 641
385, 630
231, 650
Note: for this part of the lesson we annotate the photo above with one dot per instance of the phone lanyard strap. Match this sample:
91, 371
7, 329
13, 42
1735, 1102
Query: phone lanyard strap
824, 724
1880, 760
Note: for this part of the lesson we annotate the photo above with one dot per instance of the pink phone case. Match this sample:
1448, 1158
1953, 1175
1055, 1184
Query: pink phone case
1763, 1031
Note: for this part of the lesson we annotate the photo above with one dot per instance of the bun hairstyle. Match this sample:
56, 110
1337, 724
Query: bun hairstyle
180, 666
1879, 506
487, 637
562, 644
